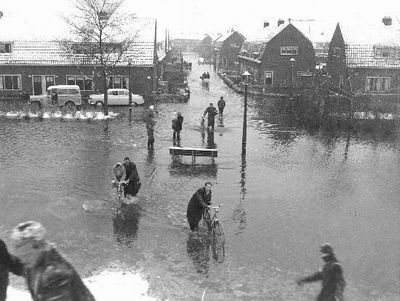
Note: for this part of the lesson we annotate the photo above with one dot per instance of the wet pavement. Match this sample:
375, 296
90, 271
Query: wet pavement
294, 191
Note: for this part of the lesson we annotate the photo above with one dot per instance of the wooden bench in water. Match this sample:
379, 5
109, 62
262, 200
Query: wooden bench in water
194, 152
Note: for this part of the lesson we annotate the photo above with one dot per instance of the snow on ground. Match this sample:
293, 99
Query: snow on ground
58, 115
106, 286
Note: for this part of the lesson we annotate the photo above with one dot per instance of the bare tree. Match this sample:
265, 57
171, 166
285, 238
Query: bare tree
103, 33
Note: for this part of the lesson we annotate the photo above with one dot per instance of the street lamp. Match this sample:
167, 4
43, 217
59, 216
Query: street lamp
246, 75
148, 86
129, 84
292, 61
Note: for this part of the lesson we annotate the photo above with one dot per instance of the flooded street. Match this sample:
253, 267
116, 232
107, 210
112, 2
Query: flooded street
294, 191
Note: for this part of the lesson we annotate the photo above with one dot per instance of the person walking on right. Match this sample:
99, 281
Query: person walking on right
221, 105
199, 201
48, 275
331, 276
211, 111
150, 137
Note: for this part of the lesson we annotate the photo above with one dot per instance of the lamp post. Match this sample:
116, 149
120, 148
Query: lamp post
148, 87
129, 84
292, 61
246, 75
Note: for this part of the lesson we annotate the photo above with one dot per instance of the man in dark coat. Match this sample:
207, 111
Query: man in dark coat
200, 200
132, 178
48, 275
211, 111
221, 106
331, 276
8, 263
177, 122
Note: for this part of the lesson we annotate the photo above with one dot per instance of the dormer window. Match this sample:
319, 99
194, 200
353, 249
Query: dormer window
5, 47
385, 52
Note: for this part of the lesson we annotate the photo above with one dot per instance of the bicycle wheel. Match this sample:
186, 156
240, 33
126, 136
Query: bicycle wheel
207, 218
218, 241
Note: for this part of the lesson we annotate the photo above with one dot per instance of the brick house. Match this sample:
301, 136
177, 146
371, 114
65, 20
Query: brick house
365, 60
206, 48
284, 56
29, 67
227, 48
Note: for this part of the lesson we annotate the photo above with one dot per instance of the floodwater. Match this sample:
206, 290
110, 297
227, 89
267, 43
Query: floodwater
292, 192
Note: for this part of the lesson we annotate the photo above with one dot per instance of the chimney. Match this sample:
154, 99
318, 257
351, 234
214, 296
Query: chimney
387, 21
266, 24
280, 22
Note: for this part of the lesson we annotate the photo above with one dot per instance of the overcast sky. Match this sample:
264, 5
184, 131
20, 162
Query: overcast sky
36, 19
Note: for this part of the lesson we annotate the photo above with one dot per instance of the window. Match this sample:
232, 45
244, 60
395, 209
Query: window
84, 83
7, 48
289, 50
268, 78
336, 51
341, 82
49, 81
118, 82
385, 52
10, 82
376, 84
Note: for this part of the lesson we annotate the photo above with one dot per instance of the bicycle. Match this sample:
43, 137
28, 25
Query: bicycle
214, 225
118, 194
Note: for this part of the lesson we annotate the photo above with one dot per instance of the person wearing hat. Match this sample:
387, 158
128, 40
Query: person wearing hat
331, 276
211, 111
48, 275
8, 263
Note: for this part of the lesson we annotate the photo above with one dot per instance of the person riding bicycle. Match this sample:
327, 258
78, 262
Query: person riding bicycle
199, 201
120, 174
132, 179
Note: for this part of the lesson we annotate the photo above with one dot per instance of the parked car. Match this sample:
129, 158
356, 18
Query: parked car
116, 97
68, 96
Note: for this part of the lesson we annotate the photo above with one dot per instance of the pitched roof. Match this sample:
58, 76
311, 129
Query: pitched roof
141, 52
223, 37
362, 40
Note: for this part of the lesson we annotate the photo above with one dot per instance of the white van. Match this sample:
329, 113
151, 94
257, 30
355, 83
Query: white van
68, 96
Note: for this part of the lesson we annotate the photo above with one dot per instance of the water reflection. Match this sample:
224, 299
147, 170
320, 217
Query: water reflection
198, 248
178, 168
125, 224
239, 213
210, 139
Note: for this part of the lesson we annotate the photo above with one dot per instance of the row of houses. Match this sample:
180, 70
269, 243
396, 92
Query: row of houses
360, 59
28, 67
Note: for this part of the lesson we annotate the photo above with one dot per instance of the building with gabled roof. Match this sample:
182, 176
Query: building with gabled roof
364, 59
226, 50
284, 58
30, 67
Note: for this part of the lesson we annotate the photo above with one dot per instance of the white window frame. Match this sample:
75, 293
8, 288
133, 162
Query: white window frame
367, 89
289, 50
265, 77
121, 78
85, 77
3, 82
44, 82
391, 52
